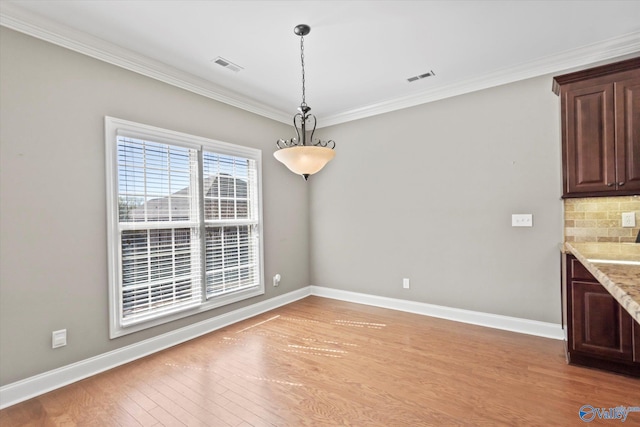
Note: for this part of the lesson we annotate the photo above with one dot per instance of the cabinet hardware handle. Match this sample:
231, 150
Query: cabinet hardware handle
610, 184
620, 184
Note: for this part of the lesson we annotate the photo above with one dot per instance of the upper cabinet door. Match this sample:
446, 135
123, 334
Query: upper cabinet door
590, 157
601, 130
627, 96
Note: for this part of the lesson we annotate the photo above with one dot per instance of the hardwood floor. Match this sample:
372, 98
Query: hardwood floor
321, 362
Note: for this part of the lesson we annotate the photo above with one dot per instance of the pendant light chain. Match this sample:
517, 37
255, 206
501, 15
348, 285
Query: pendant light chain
304, 102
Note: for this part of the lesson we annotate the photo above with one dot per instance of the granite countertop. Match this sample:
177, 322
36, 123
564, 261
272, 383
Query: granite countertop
620, 279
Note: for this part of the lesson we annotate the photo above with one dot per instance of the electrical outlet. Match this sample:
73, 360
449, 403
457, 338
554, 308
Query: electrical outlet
276, 280
405, 283
628, 219
59, 338
522, 220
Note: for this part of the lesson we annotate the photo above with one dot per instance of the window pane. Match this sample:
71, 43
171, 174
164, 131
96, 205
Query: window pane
160, 270
211, 208
214, 248
135, 251
128, 204
226, 186
232, 259
155, 181
242, 209
230, 244
227, 209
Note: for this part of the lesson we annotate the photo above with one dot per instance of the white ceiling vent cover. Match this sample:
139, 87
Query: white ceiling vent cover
227, 64
421, 76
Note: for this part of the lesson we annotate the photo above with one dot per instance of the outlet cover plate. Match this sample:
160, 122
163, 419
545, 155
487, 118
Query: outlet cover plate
628, 219
59, 338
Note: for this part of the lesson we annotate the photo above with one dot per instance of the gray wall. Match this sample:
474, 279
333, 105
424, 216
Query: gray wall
53, 248
428, 192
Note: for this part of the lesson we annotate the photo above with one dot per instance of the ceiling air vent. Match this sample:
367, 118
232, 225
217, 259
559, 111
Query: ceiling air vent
227, 64
421, 76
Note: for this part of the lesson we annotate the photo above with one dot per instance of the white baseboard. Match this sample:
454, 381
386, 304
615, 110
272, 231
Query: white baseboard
28, 388
514, 324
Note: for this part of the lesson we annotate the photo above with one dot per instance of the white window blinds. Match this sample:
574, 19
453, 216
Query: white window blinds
185, 222
231, 221
159, 228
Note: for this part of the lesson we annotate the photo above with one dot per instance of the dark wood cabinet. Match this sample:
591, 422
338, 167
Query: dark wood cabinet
627, 98
600, 110
600, 333
600, 326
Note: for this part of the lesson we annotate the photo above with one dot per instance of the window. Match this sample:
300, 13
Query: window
185, 222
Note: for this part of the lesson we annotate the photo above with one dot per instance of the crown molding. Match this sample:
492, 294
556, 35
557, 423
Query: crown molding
621, 47
18, 19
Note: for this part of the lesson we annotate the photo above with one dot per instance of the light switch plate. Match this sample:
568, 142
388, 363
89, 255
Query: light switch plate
522, 220
628, 219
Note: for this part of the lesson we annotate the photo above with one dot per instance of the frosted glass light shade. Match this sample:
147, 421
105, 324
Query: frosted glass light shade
305, 160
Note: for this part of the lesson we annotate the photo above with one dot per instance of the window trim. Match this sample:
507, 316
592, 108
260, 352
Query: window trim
115, 127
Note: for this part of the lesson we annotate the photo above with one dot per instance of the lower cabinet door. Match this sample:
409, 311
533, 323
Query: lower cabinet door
600, 326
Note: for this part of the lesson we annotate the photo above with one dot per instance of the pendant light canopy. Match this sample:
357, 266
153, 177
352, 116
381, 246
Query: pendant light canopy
301, 155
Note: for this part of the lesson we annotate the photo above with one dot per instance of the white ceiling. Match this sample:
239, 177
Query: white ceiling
358, 55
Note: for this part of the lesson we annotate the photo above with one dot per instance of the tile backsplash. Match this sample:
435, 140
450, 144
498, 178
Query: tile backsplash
599, 219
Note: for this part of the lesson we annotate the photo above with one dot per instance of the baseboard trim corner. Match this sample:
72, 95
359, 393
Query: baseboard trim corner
496, 321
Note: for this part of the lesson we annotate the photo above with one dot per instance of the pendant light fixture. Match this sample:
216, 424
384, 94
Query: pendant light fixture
301, 155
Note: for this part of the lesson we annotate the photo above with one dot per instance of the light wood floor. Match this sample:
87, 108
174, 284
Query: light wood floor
320, 362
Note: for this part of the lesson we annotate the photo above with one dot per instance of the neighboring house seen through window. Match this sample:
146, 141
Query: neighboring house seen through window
184, 224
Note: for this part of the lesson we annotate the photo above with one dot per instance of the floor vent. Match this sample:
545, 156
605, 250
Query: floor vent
421, 76
227, 64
